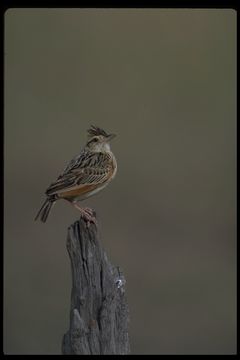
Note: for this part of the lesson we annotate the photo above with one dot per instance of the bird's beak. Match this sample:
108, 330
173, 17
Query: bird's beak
110, 137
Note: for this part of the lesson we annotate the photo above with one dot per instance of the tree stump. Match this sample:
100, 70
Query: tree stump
99, 313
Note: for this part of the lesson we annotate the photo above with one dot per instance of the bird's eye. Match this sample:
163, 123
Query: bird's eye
93, 141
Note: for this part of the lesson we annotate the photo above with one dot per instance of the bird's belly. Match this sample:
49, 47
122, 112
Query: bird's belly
83, 192
90, 193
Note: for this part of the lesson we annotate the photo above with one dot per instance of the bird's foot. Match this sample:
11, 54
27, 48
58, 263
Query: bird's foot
90, 211
86, 214
89, 215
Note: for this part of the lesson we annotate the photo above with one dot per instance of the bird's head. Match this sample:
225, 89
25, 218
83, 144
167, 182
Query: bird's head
98, 139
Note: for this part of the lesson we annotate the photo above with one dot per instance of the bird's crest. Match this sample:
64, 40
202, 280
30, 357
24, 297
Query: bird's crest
96, 131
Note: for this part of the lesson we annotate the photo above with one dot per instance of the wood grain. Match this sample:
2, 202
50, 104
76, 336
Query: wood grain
99, 314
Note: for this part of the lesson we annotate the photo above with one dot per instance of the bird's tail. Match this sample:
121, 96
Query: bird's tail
45, 210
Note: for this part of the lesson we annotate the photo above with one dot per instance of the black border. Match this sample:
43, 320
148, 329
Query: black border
170, 4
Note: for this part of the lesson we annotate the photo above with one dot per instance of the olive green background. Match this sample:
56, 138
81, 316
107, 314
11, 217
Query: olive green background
163, 80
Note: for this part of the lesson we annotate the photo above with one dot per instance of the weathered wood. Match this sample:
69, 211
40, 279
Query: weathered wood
99, 312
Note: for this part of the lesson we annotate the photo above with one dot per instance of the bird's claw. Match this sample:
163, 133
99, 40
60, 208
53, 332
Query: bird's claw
88, 215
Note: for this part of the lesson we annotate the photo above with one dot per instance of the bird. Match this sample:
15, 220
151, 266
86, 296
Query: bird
85, 175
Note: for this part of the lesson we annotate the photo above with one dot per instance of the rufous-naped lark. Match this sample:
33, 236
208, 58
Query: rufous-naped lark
85, 175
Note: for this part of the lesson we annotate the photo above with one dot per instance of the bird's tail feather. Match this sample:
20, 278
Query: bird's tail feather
45, 210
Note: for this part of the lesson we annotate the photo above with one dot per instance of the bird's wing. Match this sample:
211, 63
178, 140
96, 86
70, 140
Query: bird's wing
86, 169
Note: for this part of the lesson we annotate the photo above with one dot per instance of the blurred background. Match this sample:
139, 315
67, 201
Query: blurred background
165, 82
